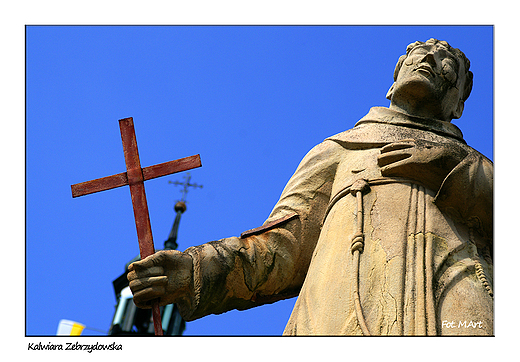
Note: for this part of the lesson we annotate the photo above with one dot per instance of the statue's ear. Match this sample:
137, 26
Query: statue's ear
457, 112
390, 92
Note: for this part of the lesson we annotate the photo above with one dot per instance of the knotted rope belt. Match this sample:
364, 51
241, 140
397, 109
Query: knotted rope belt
357, 189
356, 247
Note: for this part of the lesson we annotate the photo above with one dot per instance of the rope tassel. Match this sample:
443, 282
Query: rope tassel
356, 247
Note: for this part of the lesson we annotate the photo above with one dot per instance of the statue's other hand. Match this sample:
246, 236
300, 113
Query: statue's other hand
166, 275
423, 161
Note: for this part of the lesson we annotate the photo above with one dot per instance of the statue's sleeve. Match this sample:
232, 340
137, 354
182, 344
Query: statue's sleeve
467, 193
268, 263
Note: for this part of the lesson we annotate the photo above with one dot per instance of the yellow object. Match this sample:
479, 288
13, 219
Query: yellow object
69, 328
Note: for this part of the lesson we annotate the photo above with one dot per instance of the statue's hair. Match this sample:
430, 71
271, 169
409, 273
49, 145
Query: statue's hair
459, 54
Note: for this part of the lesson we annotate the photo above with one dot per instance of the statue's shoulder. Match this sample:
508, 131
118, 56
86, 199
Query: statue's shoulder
326, 150
362, 136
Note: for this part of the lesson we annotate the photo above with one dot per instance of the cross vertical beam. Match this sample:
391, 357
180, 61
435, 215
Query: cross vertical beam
136, 183
135, 177
140, 206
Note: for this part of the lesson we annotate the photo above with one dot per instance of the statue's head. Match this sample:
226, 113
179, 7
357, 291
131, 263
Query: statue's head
436, 70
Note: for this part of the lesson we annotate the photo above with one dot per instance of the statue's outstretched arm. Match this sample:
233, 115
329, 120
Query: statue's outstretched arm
268, 263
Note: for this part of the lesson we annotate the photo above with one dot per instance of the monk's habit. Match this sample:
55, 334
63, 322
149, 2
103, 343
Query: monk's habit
365, 254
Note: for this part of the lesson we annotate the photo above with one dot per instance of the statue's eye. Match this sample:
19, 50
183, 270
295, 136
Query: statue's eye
449, 72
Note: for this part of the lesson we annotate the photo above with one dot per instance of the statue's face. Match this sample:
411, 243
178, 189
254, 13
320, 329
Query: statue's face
431, 71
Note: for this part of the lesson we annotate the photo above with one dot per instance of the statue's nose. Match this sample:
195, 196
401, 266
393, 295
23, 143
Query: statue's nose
431, 58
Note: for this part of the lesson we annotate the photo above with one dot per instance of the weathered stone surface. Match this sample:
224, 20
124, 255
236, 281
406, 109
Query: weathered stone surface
385, 229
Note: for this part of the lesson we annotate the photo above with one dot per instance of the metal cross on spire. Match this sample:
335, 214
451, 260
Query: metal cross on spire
185, 185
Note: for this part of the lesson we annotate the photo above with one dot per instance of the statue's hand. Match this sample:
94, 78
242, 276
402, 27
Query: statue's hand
166, 275
426, 162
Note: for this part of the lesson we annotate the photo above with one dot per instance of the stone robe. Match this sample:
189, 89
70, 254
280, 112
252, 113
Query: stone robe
426, 264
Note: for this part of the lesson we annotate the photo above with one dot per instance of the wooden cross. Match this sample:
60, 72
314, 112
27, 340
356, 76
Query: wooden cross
135, 177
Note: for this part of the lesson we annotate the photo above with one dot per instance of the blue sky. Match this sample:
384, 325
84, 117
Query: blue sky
251, 100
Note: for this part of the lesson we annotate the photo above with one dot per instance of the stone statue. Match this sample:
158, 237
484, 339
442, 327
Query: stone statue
385, 229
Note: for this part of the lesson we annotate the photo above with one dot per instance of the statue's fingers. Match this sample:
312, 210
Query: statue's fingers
138, 272
389, 158
137, 285
398, 168
398, 146
141, 264
143, 298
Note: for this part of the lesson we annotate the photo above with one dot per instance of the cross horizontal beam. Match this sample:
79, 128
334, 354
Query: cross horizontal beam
121, 179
